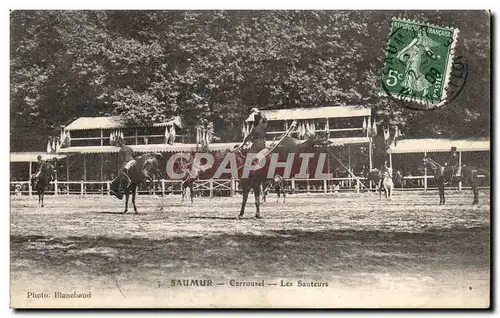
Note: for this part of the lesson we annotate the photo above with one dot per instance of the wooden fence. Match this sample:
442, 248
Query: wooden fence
230, 187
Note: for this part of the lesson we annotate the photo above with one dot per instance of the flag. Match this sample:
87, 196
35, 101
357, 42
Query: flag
167, 135
48, 146
364, 124
172, 134
54, 145
386, 133
302, 130
368, 126
375, 132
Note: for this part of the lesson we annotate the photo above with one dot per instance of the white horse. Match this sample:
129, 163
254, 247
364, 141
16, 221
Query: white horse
387, 183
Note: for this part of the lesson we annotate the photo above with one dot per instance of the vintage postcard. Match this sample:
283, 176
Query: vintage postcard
250, 159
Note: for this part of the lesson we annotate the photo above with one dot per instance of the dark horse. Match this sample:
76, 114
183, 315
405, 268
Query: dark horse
278, 184
440, 173
144, 169
257, 179
469, 175
41, 182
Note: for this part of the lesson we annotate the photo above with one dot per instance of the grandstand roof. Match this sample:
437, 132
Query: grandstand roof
32, 156
313, 113
439, 145
112, 122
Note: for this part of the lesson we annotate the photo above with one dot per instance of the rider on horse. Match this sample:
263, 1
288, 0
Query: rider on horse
258, 133
126, 156
385, 169
40, 163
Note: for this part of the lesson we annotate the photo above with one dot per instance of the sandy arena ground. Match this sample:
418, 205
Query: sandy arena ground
407, 252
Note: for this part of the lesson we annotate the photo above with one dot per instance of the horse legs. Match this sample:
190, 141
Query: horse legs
40, 198
283, 192
126, 200
246, 191
183, 192
134, 190
191, 191
475, 190
441, 192
277, 189
256, 192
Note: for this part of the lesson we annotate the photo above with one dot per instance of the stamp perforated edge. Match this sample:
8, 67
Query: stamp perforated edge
448, 66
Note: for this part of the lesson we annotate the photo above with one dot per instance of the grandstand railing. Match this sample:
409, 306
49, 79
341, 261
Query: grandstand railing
230, 187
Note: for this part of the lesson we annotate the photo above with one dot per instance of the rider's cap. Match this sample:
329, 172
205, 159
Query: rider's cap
39, 157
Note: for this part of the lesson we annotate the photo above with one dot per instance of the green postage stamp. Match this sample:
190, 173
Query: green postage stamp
418, 62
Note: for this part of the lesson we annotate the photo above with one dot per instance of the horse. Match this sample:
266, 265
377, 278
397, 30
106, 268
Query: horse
187, 182
278, 183
41, 182
256, 179
469, 175
387, 184
144, 169
398, 178
190, 176
439, 173
375, 176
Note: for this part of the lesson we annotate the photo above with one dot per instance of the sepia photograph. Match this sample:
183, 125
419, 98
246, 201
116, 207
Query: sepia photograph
250, 159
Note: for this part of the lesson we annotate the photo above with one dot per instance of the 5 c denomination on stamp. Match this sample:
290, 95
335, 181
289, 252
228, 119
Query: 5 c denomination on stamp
419, 62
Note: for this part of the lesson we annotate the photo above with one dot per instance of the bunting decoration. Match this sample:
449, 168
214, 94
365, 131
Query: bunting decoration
302, 130
364, 124
368, 126
313, 128
54, 145
375, 132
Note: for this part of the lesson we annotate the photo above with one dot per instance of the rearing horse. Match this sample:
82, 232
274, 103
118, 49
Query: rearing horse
285, 146
41, 182
144, 169
439, 173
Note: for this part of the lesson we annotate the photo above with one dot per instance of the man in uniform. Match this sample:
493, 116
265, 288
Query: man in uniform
39, 163
258, 133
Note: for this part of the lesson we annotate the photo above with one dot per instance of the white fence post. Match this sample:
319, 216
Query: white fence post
163, 187
325, 185
293, 184
233, 186
55, 187
81, 187
108, 187
211, 183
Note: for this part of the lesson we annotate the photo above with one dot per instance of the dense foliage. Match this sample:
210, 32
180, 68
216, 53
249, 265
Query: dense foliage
216, 65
